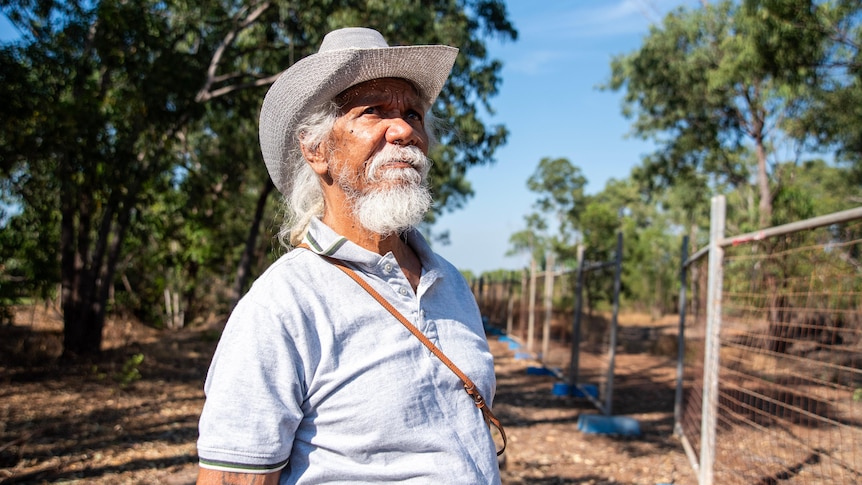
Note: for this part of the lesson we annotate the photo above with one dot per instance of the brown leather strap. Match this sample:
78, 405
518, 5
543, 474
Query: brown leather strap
469, 386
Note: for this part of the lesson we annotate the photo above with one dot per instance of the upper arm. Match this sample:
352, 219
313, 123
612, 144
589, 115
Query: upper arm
215, 477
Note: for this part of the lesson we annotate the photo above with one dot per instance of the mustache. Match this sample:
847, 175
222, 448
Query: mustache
411, 155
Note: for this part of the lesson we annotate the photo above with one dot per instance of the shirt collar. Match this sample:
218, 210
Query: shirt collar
321, 239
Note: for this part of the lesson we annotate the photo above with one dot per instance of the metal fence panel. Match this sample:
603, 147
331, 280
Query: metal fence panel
593, 338
789, 373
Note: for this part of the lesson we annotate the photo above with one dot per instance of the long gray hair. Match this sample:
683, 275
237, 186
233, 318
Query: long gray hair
304, 197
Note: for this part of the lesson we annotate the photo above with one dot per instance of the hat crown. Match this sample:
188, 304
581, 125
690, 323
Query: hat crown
352, 38
346, 58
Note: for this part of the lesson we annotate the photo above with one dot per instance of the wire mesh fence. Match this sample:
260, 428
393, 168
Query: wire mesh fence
594, 341
689, 404
561, 305
772, 381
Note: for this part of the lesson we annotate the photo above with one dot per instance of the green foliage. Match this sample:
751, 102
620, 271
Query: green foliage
650, 246
700, 87
129, 138
468, 275
725, 90
814, 47
130, 372
560, 188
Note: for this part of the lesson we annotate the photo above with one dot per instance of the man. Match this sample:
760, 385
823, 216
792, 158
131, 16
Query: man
313, 380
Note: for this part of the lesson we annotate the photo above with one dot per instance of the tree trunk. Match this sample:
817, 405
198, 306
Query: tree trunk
87, 267
82, 327
82, 319
765, 205
758, 134
244, 267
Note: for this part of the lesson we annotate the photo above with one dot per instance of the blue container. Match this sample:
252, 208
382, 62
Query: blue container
539, 371
616, 425
523, 356
587, 390
514, 345
560, 389
584, 390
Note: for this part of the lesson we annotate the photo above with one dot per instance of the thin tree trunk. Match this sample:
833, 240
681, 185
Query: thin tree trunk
765, 205
88, 273
244, 268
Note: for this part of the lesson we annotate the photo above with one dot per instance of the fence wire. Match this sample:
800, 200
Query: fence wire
690, 410
790, 352
561, 305
594, 340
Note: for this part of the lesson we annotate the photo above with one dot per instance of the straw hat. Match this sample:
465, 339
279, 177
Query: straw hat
346, 57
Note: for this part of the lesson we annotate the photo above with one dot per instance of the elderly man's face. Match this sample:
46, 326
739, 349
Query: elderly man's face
375, 114
377, 154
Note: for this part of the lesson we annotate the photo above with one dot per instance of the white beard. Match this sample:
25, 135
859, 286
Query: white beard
396, 199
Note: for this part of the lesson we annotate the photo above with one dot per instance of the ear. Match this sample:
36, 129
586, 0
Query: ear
316, 157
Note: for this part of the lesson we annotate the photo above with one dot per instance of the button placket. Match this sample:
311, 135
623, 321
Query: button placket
429, 327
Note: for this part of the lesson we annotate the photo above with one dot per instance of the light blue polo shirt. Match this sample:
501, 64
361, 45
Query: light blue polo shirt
312, 375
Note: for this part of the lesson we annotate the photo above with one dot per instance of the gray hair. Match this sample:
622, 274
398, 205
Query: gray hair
303, 198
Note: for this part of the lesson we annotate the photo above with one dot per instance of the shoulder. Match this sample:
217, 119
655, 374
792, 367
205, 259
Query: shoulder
285, 301
297, 274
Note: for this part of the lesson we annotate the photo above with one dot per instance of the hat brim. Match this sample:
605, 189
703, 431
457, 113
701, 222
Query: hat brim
318, 78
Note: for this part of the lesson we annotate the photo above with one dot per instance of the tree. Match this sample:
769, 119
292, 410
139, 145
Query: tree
114, 113
560, 188
815, 47
699, 87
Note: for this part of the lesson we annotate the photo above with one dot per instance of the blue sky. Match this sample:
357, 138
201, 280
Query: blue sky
550, 103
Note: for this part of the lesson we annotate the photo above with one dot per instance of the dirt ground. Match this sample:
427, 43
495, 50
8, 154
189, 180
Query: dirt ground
122, 420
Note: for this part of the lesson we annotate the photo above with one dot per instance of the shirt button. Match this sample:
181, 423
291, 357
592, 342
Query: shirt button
387, 267
402, 290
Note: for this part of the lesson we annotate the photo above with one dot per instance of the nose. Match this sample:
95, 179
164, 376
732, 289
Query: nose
401, 131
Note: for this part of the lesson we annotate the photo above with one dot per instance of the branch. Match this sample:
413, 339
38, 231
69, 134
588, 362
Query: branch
236, 87
205, 94
224, 77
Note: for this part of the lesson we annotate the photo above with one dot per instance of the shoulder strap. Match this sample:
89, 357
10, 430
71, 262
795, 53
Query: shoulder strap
469, 386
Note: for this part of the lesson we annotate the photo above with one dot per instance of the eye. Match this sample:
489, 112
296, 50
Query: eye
414, 115
370, 110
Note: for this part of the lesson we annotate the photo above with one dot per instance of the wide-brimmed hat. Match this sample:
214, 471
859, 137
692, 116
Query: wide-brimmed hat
346, 58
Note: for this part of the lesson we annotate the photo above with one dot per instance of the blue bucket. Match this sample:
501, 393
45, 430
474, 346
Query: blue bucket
584, 390
539, 371
560, 389
616, 425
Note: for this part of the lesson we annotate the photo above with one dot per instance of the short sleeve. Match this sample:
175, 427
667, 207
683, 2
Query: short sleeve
254, 392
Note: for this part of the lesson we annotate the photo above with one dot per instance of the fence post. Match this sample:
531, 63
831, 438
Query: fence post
712, 344
612, 351
576, 324
549, 301
511, 305
680, 352
531, 317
